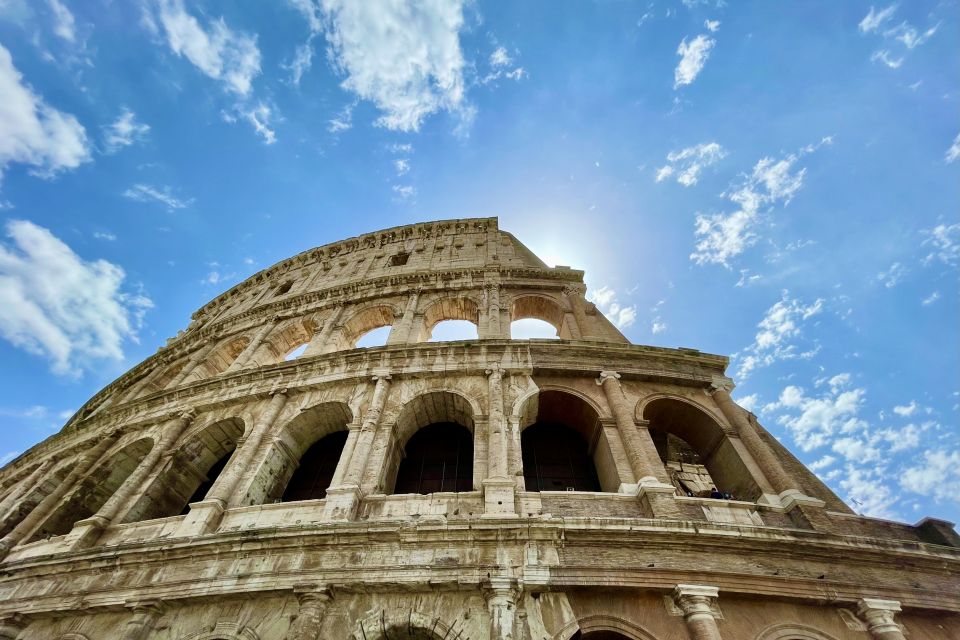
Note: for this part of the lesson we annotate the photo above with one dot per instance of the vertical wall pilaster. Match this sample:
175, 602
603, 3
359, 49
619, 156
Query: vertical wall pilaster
695, 601
353, 431
644, 459
24, 486
575, 299
495, 330
403, 330
501, 594
49, 503
251, 348
879, 616
193, 362
313, 602
145, 617
499, 489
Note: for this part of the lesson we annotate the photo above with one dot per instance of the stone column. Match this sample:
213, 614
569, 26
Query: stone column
499, 490
342, 501
205, 515
695, 601
400, 333
320, 340
145, 617
575, 298
493, 312
313, 605
85, 533
193, 362
501, 594
17, 492
142, 383
12, 626
255, 342
879, 614
343, 463
48, 504
644, 459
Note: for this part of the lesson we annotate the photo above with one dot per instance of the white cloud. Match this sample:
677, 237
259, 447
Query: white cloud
873, 20
692, 58
124, 131
64, 24
400, 148
343, 120
906, 410
606, 301
402, 165
712, 25
945, 243
930, 299
104, 235
404, 57
751, 402
686, 164
499, 61
34, 133
813, 421
780, 327
259, 118
868, 489
886, 58
954, 151
216, 277
55, 304
301, 63
909, 36
405, 192
892, 276
500, 58
146, 193
772, 182
220, 53
822, 463
657, 325
937, 475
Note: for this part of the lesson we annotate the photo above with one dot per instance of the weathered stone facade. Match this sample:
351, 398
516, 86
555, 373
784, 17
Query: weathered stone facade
164, 508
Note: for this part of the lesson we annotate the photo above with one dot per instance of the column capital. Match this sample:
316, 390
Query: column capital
879, 614
494, 368
721, 383
278, 392
607, 375
498, 590
696, 601
312, 593
188, 415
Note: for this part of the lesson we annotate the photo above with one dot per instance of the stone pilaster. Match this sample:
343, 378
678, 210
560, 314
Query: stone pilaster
879, 617
502, 593
401, 332
644, 459
499, 490
86, 532
193, 362
49, 503
204, 516
695, 601
353, 432
320, 340
494, 329
575, 298
251, 348
145, 617
313, 601
17, 493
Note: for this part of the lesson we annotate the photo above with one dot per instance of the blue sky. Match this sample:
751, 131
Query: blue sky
776, 181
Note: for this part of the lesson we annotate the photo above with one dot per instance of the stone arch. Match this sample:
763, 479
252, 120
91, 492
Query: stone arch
793, 631
428, 409
161, 378
93, 491
364, 321
220, 359
190, 471
225, 631
551, 412
448, 308
32, 496
603, 623
283, 457
679, 426
284, 339
540, 307
713, 413
412, 625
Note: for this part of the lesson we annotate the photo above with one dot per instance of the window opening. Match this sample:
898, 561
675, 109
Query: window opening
313, 477
557, 458
439, 458
452, 330
296, 353
532, 328
214, 472
374, 338
399, 259
284, 288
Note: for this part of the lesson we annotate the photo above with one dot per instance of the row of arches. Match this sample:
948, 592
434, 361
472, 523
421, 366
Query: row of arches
444, 319
560, 444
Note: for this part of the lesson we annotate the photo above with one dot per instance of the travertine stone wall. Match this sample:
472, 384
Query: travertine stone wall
122, 525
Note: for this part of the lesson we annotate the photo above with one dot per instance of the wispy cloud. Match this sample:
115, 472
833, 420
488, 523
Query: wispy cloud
104, 235
874, 19
904, 33
500, 62
260, 117
686, 164
892, 276
34, 133
721, 237
693, 56
954, 151
930, 299
55, 304
343, 120
779, 330
164, 195
124, 131
64, 24
944, 243
606, 301
884, 56
404, 191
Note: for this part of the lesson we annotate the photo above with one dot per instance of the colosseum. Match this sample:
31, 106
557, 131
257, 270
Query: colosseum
262, 477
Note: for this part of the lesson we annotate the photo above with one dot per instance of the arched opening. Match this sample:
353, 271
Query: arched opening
362, 324
287, 472
219, 359
296, 352
283, 288
93, 491
563, 447
531, 328
529, 313
439, 457
696, 452
32, 496
284, 340
190, 472
433, 450
317, 465
450, 319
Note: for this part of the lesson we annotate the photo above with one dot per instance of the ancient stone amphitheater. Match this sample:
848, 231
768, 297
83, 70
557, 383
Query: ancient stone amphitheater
579, 487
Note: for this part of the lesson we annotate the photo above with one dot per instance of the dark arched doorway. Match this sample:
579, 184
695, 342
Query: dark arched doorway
313, 477
439, 457
557, 458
